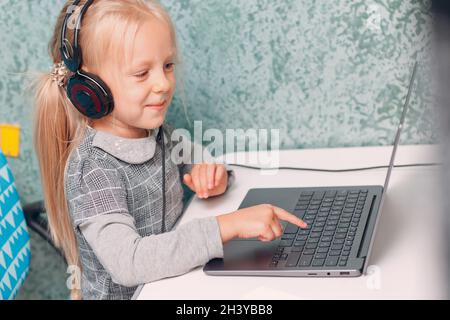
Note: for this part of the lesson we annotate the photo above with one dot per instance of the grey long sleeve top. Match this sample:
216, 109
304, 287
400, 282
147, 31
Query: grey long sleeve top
113, 190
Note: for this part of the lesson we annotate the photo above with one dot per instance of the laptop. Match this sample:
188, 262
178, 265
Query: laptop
342, 223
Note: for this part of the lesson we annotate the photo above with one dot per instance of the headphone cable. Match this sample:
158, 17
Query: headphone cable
431, 164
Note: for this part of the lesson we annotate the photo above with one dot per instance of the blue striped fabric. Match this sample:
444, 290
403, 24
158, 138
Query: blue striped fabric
14, 239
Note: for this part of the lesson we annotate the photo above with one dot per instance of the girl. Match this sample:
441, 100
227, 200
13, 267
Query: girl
101, 173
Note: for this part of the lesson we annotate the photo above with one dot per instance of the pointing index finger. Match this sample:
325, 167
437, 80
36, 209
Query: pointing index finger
289, 217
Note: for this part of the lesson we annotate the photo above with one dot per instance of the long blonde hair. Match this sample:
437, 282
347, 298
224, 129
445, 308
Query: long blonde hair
58, 126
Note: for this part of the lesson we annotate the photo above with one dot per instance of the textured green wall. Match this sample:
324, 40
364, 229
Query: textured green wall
327, 73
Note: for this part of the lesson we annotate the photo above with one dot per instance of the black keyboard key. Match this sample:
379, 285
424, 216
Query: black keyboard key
327, 238
328, 233
302, 237
331, 261
293, 259
287, 236
286, 243
305, 261
330, 193
313, 240
325, 244
337, 247
299, 243
297, 249
307, 193
320, 255
335, 253
318, 195
283, 256
318, 262
322, 250
308, 251
311, 246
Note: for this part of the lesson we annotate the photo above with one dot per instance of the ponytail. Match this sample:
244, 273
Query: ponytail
57, 127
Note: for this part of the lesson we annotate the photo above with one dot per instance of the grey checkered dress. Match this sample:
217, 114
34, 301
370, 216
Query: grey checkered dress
109, 179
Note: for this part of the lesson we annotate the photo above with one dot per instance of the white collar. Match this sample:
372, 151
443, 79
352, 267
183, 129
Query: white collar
133, 151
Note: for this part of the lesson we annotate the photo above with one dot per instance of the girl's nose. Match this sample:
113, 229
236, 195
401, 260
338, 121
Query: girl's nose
161, 84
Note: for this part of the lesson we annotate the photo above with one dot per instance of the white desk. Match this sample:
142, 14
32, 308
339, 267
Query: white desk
407, 262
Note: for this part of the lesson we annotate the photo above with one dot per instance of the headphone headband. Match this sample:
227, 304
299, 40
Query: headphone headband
72, 59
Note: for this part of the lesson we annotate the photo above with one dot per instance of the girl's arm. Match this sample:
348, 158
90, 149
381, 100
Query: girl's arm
132, 260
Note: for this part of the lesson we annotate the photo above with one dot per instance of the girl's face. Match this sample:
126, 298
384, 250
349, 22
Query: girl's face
144, 87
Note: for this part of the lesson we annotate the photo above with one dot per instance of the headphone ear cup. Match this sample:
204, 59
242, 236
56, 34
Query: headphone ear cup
90, 95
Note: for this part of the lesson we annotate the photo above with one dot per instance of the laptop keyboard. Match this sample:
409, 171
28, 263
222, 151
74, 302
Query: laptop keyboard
333, 217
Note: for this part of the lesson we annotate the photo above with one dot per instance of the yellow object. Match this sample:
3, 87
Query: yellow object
10, 139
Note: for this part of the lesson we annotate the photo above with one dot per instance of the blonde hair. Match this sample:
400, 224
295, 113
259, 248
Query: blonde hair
58, 126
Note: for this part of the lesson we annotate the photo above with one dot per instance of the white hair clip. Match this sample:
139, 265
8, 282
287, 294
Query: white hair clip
59, 73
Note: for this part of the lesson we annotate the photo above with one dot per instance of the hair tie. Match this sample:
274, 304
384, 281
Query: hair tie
59, 74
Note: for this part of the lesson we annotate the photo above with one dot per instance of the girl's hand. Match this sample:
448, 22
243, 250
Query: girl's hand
207, 179
261, 221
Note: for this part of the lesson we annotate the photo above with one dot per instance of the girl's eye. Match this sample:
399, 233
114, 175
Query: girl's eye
170, 66
141, 75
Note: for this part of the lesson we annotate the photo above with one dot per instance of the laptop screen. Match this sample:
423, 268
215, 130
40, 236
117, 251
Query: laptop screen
400, 127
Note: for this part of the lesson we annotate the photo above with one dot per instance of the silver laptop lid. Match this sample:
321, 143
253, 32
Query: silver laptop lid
391, 164
400, 127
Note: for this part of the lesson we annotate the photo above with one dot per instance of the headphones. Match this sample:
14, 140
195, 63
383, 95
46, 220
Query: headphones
90, 94
87, 92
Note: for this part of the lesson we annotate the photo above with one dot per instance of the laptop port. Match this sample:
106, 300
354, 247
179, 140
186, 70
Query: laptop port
312, 274
346, 273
